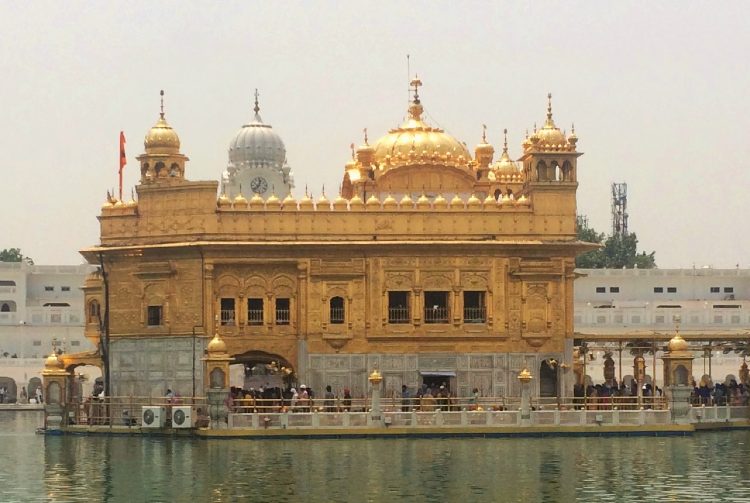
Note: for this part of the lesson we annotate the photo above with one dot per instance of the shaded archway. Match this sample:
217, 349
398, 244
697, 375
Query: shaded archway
9, 390
256, 369
548, 378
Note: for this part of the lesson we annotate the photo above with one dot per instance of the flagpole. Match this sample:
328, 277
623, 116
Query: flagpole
123, 160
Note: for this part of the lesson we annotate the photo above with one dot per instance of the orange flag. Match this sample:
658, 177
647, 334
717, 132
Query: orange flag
123, 159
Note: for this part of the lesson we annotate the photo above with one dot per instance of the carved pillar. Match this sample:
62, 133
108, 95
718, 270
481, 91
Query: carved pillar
525, 378
457, 307
302, 302
417, 304
208, 299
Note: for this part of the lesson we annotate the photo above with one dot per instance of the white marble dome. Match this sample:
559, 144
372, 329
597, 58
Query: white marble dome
257, 145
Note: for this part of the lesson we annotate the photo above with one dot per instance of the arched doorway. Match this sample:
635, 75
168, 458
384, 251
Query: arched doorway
548, 378
258, 369
8, 391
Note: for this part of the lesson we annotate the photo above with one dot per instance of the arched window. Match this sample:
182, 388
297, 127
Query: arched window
541, 171
94, 311
5, 308
160, 169
337, 310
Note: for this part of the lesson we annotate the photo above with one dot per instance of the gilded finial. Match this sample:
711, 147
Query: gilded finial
573, 128
484, 133
306, 193
415, 83
365, 131
535, 127
161, 94
549, 106
505, 139
351, 146
323, 190
256, 108
527, 133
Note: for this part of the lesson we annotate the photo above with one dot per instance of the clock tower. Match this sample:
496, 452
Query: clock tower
257, 161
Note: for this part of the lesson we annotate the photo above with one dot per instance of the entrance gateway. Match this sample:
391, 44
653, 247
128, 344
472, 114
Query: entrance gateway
435, 379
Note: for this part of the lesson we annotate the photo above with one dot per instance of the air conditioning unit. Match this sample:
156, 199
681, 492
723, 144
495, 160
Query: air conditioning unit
183, 416
153, 416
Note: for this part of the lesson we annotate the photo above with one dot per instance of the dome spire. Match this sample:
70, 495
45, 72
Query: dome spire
415, 109
549, 122
256, 108
484, 133
161, 112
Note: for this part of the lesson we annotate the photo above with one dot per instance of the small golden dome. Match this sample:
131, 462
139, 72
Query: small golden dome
119, 204
440, 203
323, 203
289, 203
161, 138
256, 202
406, 202
523, 200
373, 202
240, 201
525, 376
457, 202
423, 202
505, 167
490, 201
53, 362
306, 203
340, 204
216, 345
677, 344
549, 137
224, 200
273, 202
473, 202
356, 203
107, 205
389, 202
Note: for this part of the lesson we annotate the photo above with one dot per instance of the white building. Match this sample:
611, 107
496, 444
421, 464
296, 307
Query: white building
41, 308
711, 306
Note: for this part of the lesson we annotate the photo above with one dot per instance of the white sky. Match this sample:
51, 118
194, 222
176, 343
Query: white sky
658, 92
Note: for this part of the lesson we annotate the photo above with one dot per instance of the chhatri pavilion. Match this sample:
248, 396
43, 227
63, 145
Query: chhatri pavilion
432, 264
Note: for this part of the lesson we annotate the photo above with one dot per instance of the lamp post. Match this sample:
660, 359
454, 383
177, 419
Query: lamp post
525, 378
375, 379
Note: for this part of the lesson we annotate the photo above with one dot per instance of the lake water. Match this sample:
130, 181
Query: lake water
702, 467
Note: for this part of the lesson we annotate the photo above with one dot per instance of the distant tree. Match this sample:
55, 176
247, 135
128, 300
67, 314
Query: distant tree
618, 251
14, 255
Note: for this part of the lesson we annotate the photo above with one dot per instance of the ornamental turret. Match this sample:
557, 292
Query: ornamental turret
162, 161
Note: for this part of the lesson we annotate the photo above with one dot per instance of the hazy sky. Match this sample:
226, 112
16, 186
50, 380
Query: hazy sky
658, 92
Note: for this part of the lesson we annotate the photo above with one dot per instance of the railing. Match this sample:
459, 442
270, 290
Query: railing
436, 315
125, 410
337, 315
475, 315
227, 317
282, 316
399, 315
254, 316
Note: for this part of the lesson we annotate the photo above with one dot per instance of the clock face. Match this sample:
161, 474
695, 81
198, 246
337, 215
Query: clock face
259, 185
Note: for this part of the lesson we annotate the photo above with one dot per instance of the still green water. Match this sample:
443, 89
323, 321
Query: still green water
703, 467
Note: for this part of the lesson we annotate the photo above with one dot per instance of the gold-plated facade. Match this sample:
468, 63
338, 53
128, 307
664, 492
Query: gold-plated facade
428, 265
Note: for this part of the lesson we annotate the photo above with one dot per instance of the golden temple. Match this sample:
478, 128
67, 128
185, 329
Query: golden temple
430, 264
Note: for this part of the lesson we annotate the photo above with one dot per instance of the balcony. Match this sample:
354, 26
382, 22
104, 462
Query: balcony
475, 315
227, 317
436, 314
255, 317
282, 317
399, 315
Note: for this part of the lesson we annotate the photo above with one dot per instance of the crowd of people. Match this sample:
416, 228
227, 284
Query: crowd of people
707, 393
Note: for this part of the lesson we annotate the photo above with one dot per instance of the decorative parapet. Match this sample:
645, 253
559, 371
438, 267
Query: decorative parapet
389, 203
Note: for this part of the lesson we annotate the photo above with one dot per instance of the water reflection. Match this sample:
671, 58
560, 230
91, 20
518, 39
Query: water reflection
703, 467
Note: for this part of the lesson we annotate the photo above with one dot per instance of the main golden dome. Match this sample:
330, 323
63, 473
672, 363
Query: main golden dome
416, 142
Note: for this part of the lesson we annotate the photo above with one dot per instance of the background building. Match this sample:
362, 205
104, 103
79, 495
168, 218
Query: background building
643, 306
41, 309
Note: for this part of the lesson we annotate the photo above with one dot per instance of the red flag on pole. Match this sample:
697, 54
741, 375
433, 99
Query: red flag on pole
123, 159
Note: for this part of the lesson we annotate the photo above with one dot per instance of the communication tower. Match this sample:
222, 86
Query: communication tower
619, 209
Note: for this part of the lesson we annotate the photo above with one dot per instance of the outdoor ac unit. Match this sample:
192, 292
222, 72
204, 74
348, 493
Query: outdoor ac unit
153, 416
183, 416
